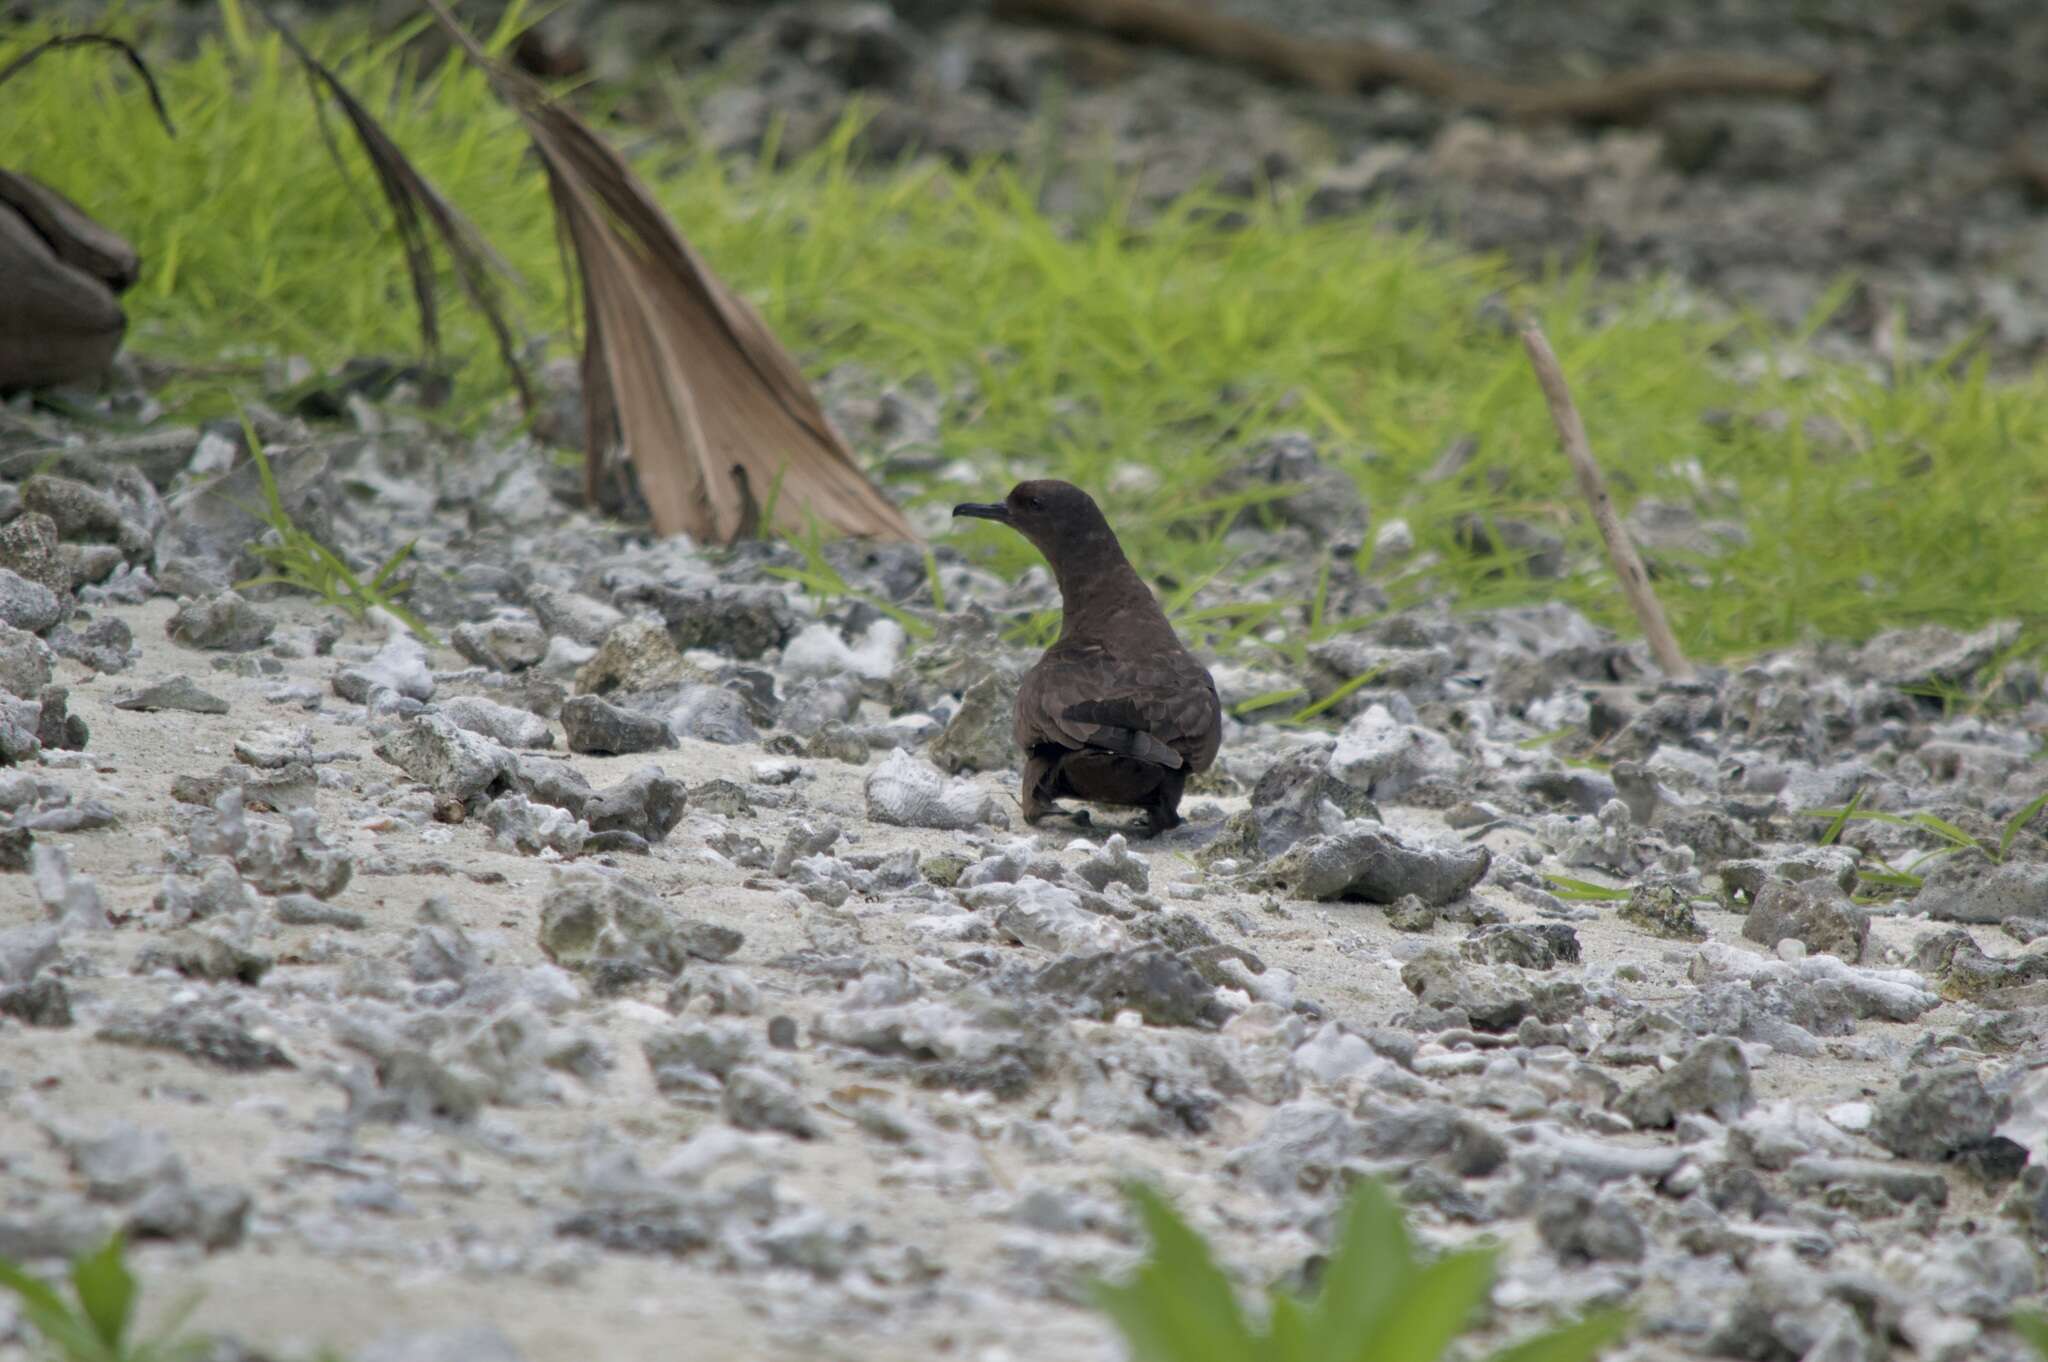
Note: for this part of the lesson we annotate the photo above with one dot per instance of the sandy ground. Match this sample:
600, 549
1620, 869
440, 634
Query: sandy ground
468, 1236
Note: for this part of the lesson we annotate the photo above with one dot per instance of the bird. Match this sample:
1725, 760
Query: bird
1117, 711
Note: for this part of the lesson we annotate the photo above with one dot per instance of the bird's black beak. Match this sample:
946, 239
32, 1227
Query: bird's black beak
977, 510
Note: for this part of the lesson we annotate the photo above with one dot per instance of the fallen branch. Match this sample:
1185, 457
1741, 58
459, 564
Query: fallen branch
1349, 67
1628, 565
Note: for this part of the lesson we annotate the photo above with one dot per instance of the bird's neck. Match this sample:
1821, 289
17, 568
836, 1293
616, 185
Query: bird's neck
1102, 596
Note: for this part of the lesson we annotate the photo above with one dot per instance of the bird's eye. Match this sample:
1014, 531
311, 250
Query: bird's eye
1031, 504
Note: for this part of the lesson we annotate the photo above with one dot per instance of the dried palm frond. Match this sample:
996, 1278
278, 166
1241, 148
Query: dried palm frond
416, 205
676, 365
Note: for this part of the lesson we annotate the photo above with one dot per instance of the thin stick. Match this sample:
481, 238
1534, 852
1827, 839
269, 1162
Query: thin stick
1628, 565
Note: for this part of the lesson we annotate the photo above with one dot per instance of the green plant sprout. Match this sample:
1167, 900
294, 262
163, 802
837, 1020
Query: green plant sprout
1376, 1301
97, 1324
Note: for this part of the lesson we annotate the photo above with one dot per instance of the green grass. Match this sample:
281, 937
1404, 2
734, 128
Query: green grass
1883, 880
1376, 1301
98, 1323
1071, 347
298, 560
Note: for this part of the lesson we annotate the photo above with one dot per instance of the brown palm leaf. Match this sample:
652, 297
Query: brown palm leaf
707, 402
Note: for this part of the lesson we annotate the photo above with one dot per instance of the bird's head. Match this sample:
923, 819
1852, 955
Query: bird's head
1058, 517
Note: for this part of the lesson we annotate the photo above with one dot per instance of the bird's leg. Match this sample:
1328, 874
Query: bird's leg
1162, 814
1035, 796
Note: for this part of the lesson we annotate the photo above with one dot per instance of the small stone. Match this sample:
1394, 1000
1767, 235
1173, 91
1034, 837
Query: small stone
598, 728
646, 803
1153, 982
1938, 1114
1410, 914
635, 655
589, 919
223, 623
979, 736
1384, 758
29, 548
1530, 945
25, 662
502, 724
1363, 862
1713, 1078
1662, 910
202, 955
1493, 999
178, 693
453, 763
909, 793
1816, 914
711, 714
28, 605
1580, 1227
210, 1040
760, 1099
39, 1002
509, 642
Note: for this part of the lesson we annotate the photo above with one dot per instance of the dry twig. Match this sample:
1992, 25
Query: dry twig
1348, 67
1621, 551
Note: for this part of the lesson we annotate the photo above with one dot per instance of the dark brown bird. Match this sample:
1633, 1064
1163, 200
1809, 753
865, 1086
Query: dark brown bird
1117, 711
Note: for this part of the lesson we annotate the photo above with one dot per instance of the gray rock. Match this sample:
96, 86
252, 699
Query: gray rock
636, 656
1712, 1078
1747, 877
912, 794
980, 736
1662, 910
518, 824
590, 920
293, 859
761, 1099
303, 910
39, 1002
178, 693
453, 763
69, 898
1819, 1172
1969, 888
502, 724
698, 1056
29, 548
1385, 758
1286, 806
1815, 913
1493, 999
223, 623
185, 1030
573, 614
83, 513
24, 662
1937, 1114
1115, 864
28, 605
598, 728
203, 955
1581, 1227
1531, 945
711, 714
1305, 1146
1410, 914
123, 1162
548, 781
1364, 862
743, 622
1155, 983
647, 803
57, 728
214, 1217
509, 642
399, 670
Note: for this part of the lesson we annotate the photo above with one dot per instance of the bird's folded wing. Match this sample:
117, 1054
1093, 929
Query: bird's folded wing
1162, 714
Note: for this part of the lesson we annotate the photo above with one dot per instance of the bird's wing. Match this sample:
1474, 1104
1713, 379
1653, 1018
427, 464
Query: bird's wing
1161, 710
